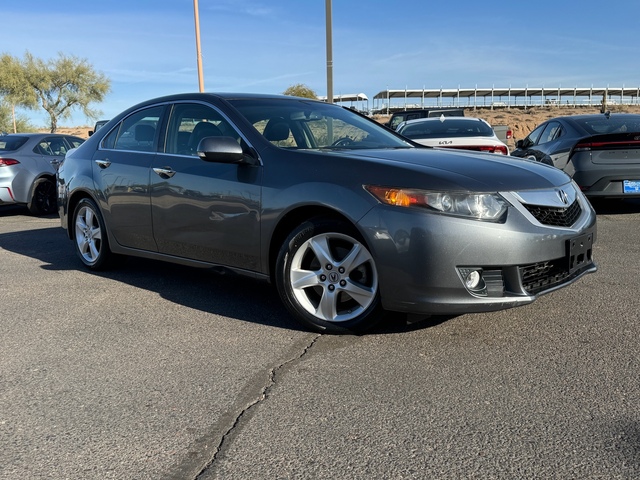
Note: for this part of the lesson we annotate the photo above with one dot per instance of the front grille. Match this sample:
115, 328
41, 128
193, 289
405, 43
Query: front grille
555, 216
544, 275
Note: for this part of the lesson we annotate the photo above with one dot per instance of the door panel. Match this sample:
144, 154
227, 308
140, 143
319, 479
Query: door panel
121, 173
204, 210
207, 211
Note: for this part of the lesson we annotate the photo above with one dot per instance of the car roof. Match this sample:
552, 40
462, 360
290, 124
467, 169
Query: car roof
213, 96
37, 136
223, 96
591, 116
32, 135
440, 119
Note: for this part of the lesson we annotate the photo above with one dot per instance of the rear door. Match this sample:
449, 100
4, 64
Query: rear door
121, 174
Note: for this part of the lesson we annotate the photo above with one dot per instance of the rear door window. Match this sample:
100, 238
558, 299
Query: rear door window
137, 132
552, 131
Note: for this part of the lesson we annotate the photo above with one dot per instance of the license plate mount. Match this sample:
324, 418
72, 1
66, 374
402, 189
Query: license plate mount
580, 252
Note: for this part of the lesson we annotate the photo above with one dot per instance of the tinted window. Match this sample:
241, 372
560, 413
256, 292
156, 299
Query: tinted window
447, 128
8, 143
395, 121
533, 136
614, 124
51, 146
190, 123
136, 132
552, 131
74, 141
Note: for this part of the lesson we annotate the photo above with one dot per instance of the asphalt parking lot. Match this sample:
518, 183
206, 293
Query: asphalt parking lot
156, 371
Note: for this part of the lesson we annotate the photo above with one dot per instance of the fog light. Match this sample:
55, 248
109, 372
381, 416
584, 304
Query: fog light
472, 280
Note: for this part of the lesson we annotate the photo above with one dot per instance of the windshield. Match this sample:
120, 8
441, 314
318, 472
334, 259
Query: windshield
9, 143
307, 124
446, 127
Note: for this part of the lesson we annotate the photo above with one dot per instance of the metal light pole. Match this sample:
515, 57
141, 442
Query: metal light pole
329, 53
198, 50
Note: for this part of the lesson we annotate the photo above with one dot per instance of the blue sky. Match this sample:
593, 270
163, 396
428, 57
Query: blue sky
147, 47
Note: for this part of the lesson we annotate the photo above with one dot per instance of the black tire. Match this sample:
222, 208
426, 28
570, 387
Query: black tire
90, 235
327, 278
43, 197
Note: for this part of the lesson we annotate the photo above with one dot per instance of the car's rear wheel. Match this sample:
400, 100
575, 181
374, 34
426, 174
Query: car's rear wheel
43, 198
92, 244
327, 277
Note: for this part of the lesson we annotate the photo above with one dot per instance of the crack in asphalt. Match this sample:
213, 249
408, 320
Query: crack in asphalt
262, 396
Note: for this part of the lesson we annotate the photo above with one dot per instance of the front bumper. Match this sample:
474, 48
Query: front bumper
422, 258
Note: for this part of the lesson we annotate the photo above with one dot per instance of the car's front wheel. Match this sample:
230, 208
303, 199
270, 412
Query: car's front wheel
327, 277
92, 244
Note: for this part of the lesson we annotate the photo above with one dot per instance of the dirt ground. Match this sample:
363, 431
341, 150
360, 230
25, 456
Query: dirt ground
521, 121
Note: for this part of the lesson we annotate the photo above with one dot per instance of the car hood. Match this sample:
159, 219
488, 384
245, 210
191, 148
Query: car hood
443, 168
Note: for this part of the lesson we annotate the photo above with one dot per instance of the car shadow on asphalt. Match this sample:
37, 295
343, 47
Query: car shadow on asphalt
202, 289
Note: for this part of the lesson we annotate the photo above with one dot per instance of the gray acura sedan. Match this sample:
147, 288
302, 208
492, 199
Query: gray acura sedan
346, 217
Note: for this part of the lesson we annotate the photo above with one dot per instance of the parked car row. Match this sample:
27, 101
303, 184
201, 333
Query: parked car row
346, 217
28, 163
601, 152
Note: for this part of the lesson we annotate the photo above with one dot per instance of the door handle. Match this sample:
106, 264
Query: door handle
103, 163
165, 172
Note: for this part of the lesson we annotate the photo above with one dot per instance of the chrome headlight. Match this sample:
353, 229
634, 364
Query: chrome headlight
480, 206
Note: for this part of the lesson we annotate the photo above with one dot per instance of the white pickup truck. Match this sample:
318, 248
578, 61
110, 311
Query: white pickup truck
503, 132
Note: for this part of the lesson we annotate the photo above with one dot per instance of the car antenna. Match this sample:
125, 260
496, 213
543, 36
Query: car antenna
607, 114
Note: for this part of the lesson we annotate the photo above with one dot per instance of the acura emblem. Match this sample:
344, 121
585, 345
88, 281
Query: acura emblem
562, 195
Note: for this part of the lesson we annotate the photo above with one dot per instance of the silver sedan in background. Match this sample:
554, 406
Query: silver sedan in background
28, 163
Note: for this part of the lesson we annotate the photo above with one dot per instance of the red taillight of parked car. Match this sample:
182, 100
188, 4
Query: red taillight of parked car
509, 134
6, 162
586, 146
494, 149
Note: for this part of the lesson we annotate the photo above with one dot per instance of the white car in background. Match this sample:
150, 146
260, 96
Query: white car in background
466, 133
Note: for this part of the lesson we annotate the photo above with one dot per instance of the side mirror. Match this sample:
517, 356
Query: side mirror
220, 149
520, 144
